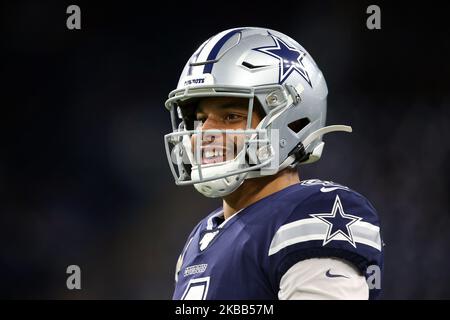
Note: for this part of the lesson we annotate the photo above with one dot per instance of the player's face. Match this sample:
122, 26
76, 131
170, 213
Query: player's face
222, 113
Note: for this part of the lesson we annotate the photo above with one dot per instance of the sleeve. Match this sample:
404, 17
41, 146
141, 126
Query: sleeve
340, 224
323, 279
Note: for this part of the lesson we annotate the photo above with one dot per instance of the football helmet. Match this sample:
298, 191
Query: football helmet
272, 72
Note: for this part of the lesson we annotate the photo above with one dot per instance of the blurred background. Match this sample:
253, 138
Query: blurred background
84, 178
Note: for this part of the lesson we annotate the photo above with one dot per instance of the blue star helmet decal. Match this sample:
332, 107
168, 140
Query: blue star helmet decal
290, 59
338, 223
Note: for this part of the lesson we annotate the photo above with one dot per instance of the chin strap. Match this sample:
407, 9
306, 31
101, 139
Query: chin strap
302, 146
320, 132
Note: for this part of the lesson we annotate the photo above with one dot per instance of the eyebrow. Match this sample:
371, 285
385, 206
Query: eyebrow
226, 105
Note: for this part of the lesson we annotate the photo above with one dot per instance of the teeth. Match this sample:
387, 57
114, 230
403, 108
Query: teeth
213, 153
208, 154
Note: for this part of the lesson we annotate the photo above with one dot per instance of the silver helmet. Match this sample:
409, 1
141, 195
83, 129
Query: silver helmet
274, 73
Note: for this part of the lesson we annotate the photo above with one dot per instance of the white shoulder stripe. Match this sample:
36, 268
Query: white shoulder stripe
313, 229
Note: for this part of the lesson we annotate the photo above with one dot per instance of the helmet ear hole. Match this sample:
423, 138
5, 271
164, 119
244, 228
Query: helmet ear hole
298, 125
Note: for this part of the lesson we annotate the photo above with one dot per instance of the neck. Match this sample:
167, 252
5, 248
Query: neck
256, 189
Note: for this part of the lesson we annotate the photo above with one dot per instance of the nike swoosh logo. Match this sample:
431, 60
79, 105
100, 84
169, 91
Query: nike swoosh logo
324, 189
330, 275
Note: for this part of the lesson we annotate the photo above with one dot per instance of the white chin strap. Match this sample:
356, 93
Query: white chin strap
317, 152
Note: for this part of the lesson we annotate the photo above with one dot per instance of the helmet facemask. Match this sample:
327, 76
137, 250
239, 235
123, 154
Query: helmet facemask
217, 161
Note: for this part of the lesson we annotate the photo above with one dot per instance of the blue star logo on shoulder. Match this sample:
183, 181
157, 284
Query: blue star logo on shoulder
290, 59
338, 222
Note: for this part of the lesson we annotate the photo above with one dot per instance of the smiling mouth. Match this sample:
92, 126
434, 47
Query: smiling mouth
213, 155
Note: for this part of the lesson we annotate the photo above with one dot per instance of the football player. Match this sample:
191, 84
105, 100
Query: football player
249, 108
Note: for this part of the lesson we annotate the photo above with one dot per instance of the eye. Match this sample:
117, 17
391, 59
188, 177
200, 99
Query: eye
233, 117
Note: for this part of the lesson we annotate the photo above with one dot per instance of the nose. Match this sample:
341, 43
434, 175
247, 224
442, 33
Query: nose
210, 124
207, 138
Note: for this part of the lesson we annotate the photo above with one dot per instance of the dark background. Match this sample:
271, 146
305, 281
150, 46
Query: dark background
83, 175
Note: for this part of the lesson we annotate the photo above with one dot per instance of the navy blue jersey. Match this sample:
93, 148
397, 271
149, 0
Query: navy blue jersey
246, 256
